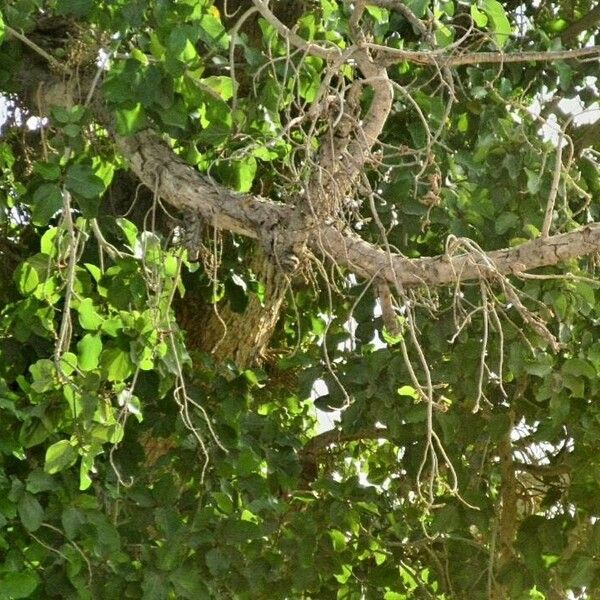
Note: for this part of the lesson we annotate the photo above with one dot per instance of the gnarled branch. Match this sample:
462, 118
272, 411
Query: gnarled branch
159, 168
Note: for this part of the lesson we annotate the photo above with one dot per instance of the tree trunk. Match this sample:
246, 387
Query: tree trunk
240, 337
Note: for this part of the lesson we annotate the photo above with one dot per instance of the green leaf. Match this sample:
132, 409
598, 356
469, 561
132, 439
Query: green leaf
30, 512
579, 367
220, 84
87, 186
586, 292
238, 531
140, 56
59, 456
329, 402
112, 326
130, 120
46, 170
309, 82
33, 432
500, 23
87, 464
188, 584
26, 278
533, 181
44, 375
68, 363
380, 15
175, 115
239, 174
72, 519
505, 222
78, 8
561, 305
88, 316
224, 502
39, 481
89, 349
345, 574
177, 42
131, 403
171, 265
338, 539
541, 365
103, 169
407, 390
419, 7
479, 17
565, 75
21, 584
117, 364
48, 241
2, 28
154, 586
217, 562
94, 271
213, 33
130, 231
63, 116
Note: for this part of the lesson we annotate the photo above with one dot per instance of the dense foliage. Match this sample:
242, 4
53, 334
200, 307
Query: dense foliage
144, 455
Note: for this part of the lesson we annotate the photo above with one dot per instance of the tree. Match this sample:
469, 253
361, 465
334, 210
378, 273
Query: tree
219, 218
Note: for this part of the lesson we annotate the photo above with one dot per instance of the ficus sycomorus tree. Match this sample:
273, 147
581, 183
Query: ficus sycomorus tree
222, 222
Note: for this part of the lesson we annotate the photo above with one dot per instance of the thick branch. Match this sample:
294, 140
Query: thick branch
161, 170
585, 136
292, 37
432, 57
346, 149
588, 21
321, 441
443, 58
368, 260
508, 518
185, 188
309, 456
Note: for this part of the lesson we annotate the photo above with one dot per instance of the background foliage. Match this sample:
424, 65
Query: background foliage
133, 464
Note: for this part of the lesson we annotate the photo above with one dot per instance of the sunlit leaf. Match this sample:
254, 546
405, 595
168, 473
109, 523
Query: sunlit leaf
59, 456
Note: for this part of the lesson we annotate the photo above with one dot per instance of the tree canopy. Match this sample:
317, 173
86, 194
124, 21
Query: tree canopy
223, 222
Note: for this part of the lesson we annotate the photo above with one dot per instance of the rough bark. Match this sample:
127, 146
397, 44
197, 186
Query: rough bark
229, 335
586, 136
430, 57
183, 187
507, 520
588, 21
368, 260
280, 227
